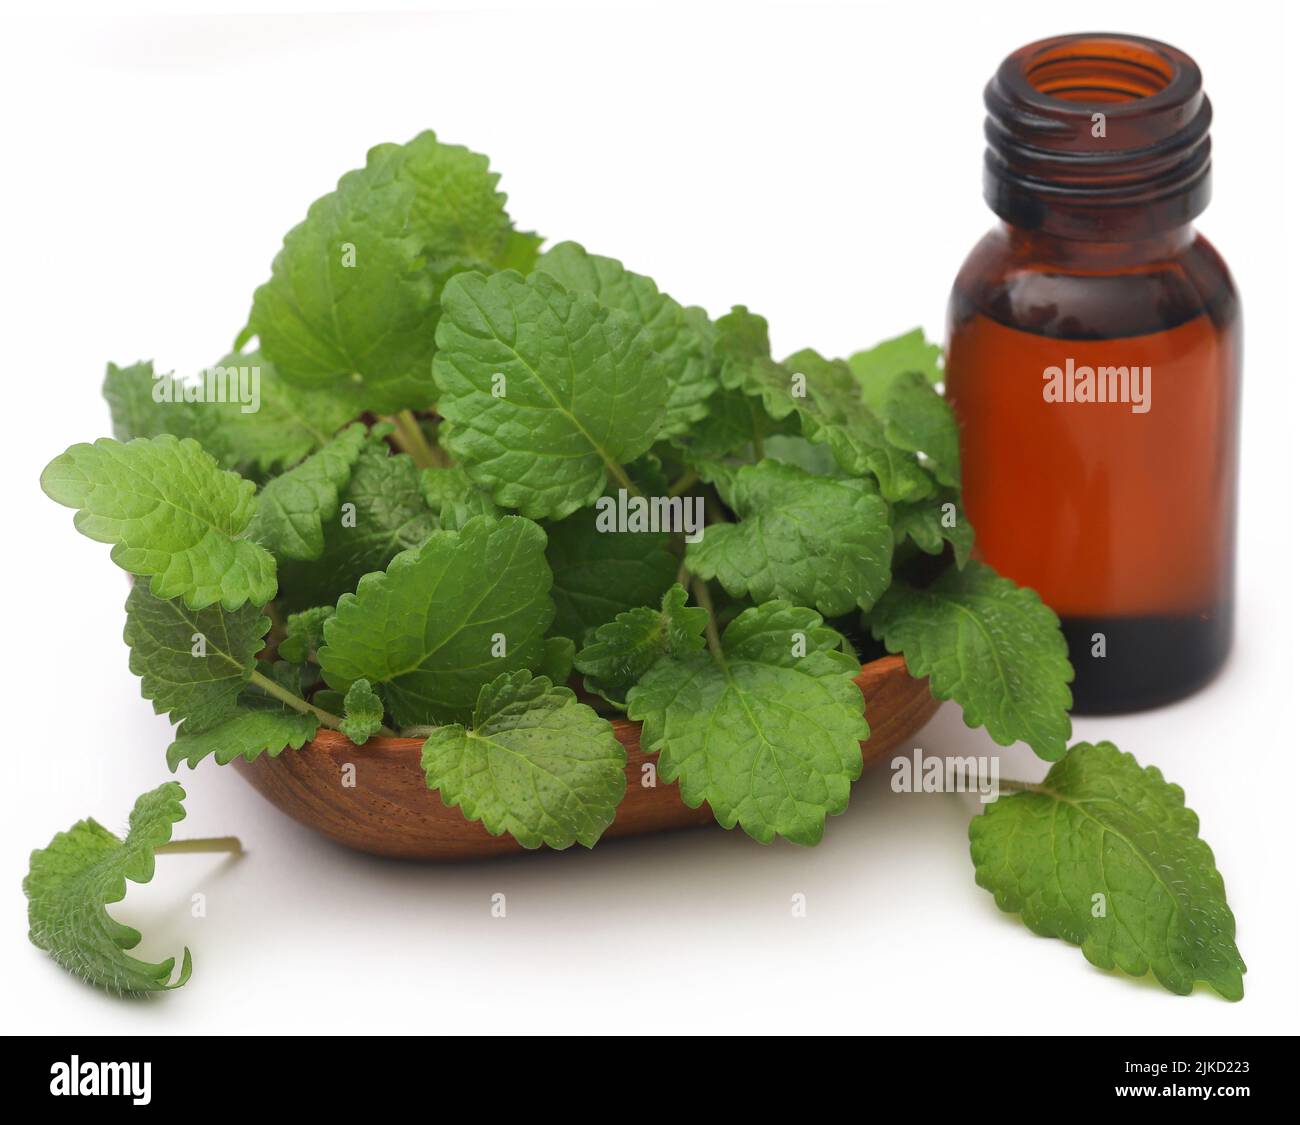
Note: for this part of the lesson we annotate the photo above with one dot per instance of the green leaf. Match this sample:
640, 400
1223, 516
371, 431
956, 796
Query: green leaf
289, 422
805, 539
292, 508
71, 882
454, 498
683, 352
430, 631
382, 513
244, 733
549, 392
536, 763
363, 711
351, 304
192, 664
936, 520
769, 738
557, 659
745, 353
304, 633
988, 644
1105, 855
171, 514
600, 574
834, 414
625, 649
876, 367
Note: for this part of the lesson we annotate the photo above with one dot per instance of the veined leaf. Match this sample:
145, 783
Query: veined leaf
243, 733
936, 520
363, 712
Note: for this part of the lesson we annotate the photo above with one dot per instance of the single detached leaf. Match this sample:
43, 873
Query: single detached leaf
244, 733
192, 663
454, 498
767, 731
304, 633
171, 514
536, 763
381, 512
292, 508
936, 520
625, 649
988, 644
71, 882
1105, 855
352, 303
363, 712
548, 391
682, 349
805, 539
600, 574
444, 619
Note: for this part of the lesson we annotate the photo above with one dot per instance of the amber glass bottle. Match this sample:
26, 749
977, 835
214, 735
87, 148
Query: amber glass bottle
1093, 362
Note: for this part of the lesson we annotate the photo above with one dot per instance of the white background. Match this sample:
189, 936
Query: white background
822, 165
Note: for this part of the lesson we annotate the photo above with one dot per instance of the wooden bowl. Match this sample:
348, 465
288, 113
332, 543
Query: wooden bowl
391, 811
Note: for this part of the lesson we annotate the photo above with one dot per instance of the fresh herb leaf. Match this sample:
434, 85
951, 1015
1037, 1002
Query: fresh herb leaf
1105, 855
804, 539
766, 729
363, 712
557, 659
625, 649
549, 392
171, 514
292, 508
243, 733
84, 870
876, 367
304, 633
934, 521
454, 498
444, 619
988, 644
535, 763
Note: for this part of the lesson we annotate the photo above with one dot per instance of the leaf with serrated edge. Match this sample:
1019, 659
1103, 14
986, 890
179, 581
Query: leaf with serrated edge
192, 664
454, 498
549, 392
292, 508
1101, 830
625, 649
936, 520
768, 738
876, 367
805, 539
84, 870
424, 632
172, 515
536, 763
304, 633
243, 733
557, 659
363, 712
680, 348
988, 644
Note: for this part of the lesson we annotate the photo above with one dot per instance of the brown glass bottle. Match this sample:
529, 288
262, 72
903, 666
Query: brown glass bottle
1093, 362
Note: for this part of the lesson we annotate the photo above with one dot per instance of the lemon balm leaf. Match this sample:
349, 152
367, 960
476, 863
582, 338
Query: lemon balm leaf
444, 619
71, 882
243, 732
172, 515
766, 729
808, 540
363, 712
548, 391
534, 762
991, 646
1105, 855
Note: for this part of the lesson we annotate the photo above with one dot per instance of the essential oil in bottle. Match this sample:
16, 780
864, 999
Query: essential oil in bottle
1094, 365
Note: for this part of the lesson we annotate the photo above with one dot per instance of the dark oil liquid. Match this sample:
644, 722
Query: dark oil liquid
1123, 521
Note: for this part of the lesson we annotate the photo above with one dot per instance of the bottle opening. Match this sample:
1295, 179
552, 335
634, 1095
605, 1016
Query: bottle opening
1099, 70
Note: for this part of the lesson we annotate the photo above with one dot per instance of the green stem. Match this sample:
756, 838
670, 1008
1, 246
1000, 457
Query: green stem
756, 418
620, 475
275, 691
411, 438
704, 600
228, 844
683, 483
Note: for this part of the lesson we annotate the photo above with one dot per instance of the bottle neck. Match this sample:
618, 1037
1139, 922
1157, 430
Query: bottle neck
1097, 138
1102, 255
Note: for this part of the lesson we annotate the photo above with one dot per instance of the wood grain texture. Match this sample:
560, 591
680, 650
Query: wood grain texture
391, 811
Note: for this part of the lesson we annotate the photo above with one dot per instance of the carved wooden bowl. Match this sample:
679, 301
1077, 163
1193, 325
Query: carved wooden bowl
391, 811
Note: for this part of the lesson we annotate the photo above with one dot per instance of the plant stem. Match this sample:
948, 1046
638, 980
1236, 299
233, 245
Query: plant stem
411, 438
275, 691
757, 421
228, 844
625, 481
683, 483
704, 600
